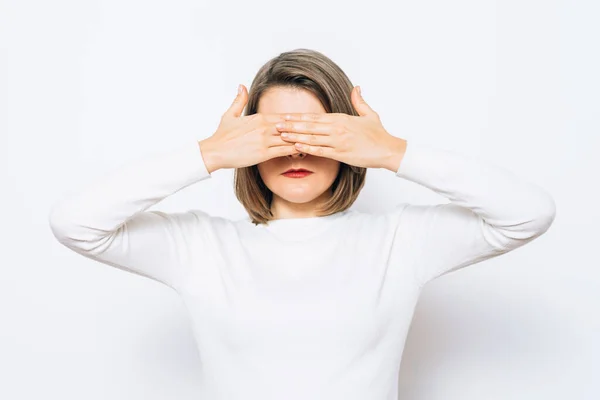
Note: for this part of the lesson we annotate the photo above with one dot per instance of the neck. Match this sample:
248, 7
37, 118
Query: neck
283, 209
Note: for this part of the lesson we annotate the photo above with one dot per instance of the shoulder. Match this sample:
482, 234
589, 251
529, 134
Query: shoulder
222, 225
207, 219
388, 214
376, 220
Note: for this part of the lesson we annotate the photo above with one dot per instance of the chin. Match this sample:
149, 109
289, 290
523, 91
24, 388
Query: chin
298, 190
298, 195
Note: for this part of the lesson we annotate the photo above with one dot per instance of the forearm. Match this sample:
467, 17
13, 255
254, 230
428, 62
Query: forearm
515, 207
106, 203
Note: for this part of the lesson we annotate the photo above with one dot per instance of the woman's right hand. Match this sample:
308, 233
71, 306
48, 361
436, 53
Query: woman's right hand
244, 141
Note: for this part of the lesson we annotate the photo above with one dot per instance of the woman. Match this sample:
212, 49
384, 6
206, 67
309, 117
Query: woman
305, 299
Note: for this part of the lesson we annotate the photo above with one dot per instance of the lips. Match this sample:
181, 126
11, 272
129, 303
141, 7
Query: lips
296, 170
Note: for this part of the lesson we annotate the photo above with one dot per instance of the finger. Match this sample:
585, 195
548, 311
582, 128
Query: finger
359, 103
274, 138
267, 121
316, 140
315, 128
274, 117
236, 108
283, 150
277, 140
271, 130
314, 117
319, 151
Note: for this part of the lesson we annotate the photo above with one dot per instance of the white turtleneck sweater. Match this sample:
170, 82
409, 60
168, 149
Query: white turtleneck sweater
302, 308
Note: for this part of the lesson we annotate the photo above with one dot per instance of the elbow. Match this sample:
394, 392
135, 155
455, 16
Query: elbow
77, 233
71, 234
546, 214
514, 235
539, 213
64, 226
58, 224
540, 221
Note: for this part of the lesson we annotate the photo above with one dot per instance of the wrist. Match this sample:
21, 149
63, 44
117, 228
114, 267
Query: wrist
209, 155
397, 148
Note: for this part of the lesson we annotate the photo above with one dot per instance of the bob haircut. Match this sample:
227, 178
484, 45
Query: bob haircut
312, 71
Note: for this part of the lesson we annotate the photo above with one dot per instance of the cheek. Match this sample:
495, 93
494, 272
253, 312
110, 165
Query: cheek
328, 171
332, 168
267, 168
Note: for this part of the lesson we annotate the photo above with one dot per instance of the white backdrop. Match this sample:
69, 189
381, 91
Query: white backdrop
86, 86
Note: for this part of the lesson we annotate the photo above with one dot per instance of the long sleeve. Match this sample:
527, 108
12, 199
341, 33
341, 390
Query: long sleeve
107, 221
491, 211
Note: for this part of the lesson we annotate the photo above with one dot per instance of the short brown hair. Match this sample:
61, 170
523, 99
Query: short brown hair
312, 71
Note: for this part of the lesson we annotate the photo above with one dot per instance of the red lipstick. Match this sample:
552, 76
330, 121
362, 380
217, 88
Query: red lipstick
297, 173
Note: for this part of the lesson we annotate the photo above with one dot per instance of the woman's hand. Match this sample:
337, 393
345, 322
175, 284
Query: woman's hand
244, 141
356, 140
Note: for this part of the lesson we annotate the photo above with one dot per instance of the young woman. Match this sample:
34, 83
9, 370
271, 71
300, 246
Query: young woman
305, 299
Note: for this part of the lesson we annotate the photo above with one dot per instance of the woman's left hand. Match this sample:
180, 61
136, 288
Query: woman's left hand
355, 140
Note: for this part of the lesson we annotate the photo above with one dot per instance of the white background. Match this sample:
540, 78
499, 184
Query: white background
88, 85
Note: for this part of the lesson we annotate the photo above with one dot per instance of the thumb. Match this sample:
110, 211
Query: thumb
360, 105
236, 108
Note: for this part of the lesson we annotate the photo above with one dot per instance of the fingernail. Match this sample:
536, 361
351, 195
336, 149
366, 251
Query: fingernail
359, 91
239, 89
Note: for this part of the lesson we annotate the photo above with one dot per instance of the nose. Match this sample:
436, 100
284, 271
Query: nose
299, 155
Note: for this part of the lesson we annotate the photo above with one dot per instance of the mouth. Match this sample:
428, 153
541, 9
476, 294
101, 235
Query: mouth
296, 173
297, 170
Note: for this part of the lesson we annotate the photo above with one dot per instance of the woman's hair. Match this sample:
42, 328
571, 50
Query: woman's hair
312, 71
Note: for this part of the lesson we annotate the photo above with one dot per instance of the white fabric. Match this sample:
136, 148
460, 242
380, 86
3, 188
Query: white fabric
302, 308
